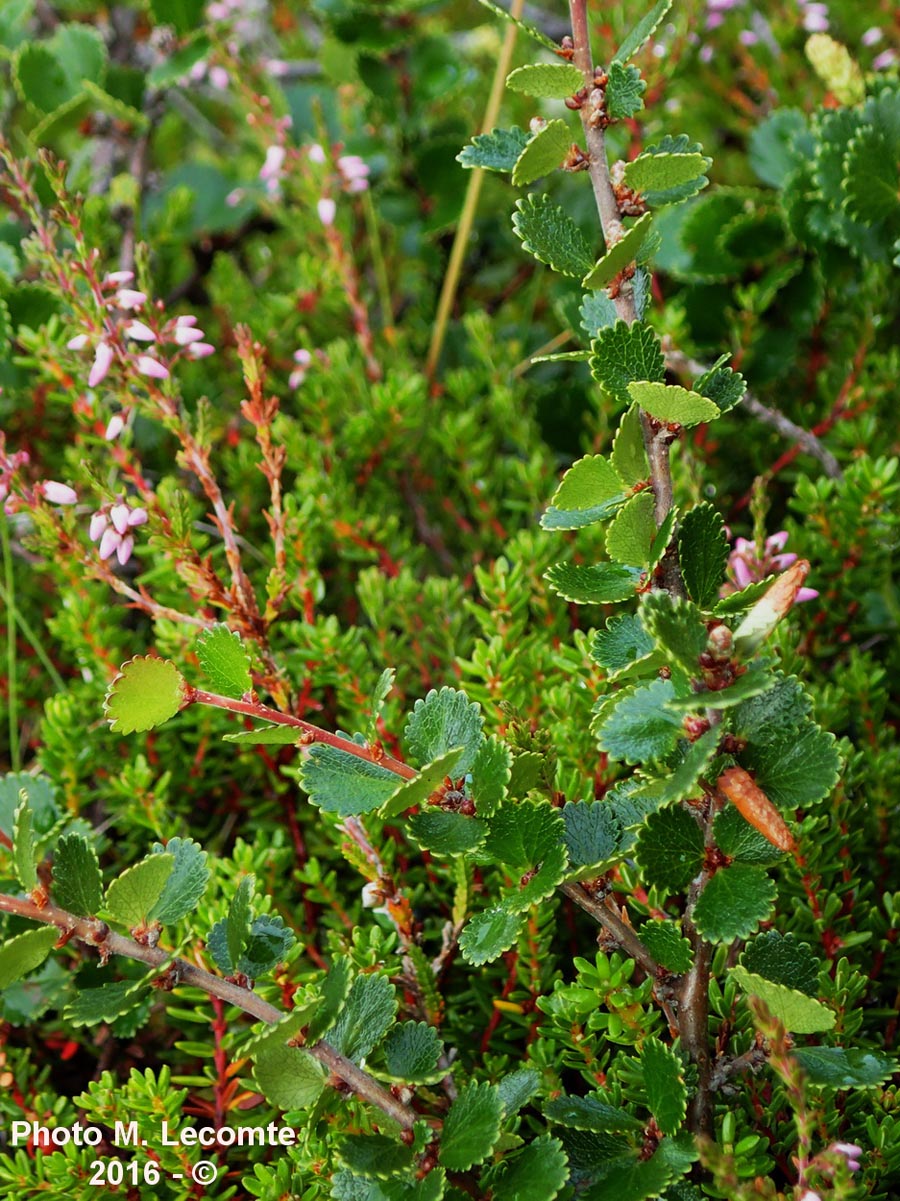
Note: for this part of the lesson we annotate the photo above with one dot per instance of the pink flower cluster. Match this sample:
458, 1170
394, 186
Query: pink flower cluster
120, 299
51, 491
303, 359
112, 527
850, 1152
746, 565
9, 465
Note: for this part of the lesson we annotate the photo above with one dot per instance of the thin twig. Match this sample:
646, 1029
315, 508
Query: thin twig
609, 919
307, 732
97, 934
805, 439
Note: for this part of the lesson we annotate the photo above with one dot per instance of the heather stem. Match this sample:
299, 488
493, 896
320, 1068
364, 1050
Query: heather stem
12, 695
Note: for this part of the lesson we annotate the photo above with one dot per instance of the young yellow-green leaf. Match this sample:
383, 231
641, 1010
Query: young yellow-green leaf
187, 883
660, 172
596, 584
672, 403
531, 30
544, 153
623, 354
702, 553
77, 884
145, 693
629, 459
472, 1127
547, 81
734, 902
640, 33
224, 661
589, 491
498, 150
550, 234
289, 1077
664, 1085
340, 782
837, 69
131, 897
416, 791
795, 1010
632, 530
489, 934
25, 952
624, 91
23, 849
619, 255
538, 1172
669, 849
444, 720
639, 728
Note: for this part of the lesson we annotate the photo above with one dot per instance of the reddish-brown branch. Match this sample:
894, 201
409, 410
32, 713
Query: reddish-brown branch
179, 972
307, 732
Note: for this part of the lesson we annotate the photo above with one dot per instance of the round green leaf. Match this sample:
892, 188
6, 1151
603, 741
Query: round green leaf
145, 693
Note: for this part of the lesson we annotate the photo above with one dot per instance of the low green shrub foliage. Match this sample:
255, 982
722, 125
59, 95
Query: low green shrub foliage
451, 729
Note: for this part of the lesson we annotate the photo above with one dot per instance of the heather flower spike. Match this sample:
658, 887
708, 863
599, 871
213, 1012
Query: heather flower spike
58, 494
103, 357
151, 367
112, 527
